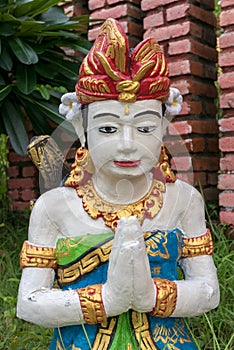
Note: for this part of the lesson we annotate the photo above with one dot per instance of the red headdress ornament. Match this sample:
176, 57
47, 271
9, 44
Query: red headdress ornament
110, 72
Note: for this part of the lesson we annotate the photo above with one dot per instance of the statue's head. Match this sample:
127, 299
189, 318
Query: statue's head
121, 93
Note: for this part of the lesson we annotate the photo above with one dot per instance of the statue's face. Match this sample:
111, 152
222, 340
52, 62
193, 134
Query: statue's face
125, 139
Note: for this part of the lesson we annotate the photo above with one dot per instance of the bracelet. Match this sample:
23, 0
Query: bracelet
91, 304
34, 256
166, 298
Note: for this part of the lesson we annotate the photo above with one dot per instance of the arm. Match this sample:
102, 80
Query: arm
38, 302
199, 292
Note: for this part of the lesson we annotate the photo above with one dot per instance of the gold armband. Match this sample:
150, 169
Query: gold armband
166, 298
33, 256
91, 304
197, 246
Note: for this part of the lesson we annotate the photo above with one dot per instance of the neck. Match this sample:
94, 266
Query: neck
121, 190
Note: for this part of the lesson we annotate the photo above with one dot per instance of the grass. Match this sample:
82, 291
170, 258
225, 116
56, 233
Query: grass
211, 331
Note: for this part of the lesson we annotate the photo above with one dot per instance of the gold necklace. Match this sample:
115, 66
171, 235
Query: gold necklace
146, 207
80, 178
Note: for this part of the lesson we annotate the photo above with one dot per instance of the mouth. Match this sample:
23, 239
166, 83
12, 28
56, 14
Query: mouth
127, 164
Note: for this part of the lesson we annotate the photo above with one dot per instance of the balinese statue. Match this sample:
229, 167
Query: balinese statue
105, 249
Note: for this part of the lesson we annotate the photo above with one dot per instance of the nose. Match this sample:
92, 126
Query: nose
127, 142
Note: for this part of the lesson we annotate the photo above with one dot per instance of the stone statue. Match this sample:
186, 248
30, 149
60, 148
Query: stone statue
115, 234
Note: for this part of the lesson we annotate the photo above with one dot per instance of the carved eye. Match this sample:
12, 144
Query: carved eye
108, 129
146, 129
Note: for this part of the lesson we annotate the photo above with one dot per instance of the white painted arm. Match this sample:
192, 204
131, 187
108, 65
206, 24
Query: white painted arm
38, 302
199, 292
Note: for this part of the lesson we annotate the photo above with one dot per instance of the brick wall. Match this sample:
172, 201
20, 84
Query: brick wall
186, 31
226, 124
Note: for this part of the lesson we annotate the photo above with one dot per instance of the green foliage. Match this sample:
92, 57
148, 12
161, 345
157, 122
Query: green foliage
37, 65
211, 331
3, 165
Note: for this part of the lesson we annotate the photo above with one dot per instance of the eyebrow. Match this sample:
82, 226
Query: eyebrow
105, 115
147, 112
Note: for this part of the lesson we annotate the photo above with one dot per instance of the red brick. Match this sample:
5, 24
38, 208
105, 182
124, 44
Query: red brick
227, 217
13, 195
181, 163
177, 12
204, 126
152, 4
226, 182
191, 46
182, 85
200, 178
226, 124
210, 109
168, 32
202, 88
205, 163
29, 171
27, 195
13, 171
181, 128
227, 17
226, 40
212, 144
227, 100
227, 162
180, 146
226, 80
198, 145
192, 107
202, 15
16, 158
212, 179
206, 3
21, 183
225, 3
211, 194
226, 199
95, 4
183, 67
226, 144
226, 58
19, 205
117, 12
153, 20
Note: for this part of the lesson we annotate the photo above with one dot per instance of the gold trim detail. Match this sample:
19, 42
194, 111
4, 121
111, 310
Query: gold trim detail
166, 298
91, 304
196, 246
147, 207
152, 242
103, 336
85, 265
33, 256
142, 333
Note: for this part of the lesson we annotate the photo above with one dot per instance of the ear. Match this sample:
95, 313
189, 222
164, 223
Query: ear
71, 109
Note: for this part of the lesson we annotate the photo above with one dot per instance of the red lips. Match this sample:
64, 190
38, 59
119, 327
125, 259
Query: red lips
127, 164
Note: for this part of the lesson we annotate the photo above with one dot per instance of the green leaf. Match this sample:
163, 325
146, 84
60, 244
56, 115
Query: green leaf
4, 91
14, 126
2, 81
45, 70
43, 91
6, 62
6, 29
26, 78
54, 15
23, 51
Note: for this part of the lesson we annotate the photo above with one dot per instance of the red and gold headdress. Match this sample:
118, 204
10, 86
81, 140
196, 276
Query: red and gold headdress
110, 72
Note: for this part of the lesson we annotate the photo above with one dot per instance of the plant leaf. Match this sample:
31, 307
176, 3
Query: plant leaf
23, 51
54, 15
6, 62
43, 91
14, 126
26, 78
4, 91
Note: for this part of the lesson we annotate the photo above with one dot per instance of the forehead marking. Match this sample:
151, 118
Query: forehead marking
126, 109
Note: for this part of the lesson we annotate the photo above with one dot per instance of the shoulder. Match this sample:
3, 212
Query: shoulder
47, 213
190, 205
